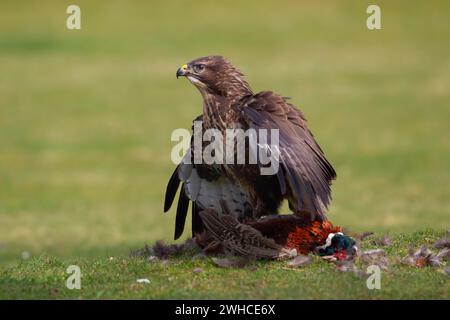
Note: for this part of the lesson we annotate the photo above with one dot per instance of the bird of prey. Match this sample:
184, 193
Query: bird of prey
304, 174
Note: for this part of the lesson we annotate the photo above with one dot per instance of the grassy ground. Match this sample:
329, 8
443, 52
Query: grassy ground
106, 278
86, 117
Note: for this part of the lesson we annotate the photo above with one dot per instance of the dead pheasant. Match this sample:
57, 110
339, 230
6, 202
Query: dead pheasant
273, 237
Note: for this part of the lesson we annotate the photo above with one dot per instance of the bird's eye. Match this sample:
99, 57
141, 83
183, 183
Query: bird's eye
198, 68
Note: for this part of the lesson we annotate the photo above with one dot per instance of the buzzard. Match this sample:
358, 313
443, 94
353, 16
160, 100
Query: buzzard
303, 177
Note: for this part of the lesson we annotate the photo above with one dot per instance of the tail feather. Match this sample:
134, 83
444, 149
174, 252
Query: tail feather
239, 238
171, 190
183, 205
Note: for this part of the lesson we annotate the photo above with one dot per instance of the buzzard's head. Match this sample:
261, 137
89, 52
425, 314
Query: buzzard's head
215, 75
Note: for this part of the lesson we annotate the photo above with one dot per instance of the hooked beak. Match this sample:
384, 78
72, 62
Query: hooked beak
182, 71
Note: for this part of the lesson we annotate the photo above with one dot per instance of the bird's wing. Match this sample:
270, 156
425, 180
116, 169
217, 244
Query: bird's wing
206, 186
304, 172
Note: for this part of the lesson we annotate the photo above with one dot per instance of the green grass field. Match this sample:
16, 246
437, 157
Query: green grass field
86, 118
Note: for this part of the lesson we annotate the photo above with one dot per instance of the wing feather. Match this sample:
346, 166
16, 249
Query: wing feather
303, 166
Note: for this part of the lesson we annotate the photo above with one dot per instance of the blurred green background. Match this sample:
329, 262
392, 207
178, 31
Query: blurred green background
86, 115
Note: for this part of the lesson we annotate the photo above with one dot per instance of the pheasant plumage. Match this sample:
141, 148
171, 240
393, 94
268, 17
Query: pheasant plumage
273, 236
226, 233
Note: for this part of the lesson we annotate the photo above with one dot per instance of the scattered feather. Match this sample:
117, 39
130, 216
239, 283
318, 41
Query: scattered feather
143, 252
443, 255
299, 261
144, 280
232, 262
375, 257
165, 251
384, 241
442, 243
374, 252
198, 270
329, 258
162, 250
422, 257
